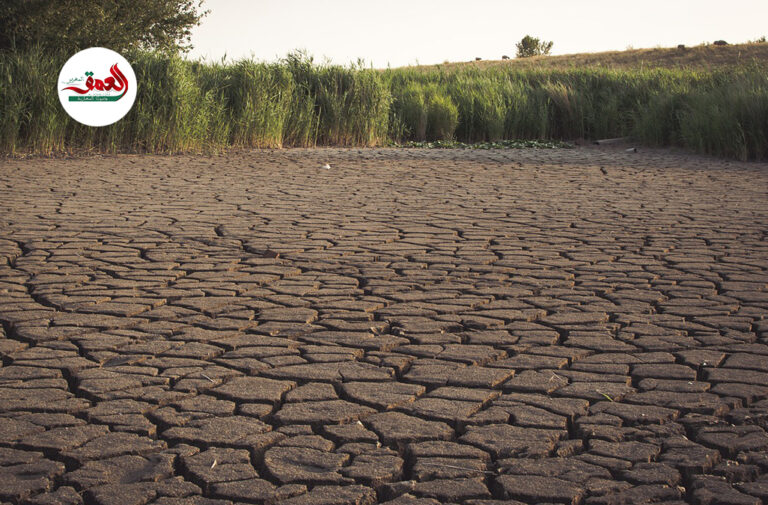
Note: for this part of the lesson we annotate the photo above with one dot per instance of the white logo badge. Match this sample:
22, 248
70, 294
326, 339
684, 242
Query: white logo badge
97, 87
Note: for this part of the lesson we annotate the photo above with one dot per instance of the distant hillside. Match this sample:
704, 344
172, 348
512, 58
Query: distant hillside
697, 57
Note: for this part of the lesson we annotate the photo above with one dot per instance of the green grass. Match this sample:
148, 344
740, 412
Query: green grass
185, 106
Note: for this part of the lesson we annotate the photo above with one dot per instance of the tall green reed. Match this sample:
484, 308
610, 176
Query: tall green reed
185, 106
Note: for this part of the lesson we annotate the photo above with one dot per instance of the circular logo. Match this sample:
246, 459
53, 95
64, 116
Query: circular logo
97, 86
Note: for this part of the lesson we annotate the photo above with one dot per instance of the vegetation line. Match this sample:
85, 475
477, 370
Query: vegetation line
185, 106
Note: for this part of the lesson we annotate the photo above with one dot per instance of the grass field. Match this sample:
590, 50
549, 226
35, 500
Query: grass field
185, 106
703, 57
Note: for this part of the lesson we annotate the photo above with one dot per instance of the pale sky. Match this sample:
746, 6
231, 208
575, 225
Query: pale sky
400, 32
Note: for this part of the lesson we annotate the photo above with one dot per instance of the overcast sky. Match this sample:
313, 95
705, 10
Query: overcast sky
400, 32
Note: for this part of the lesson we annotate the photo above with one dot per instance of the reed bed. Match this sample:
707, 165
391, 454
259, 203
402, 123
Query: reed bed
190, 106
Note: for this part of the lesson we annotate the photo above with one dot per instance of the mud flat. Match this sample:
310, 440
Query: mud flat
537, 326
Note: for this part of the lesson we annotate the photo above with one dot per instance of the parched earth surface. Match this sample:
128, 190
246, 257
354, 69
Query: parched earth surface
409, 327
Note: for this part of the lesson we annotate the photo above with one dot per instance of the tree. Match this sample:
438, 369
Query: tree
531, 46
116, 24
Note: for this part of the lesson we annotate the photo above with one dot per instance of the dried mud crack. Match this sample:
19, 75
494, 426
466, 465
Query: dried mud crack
581, 326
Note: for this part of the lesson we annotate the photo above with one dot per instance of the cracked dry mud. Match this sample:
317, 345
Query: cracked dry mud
411, 327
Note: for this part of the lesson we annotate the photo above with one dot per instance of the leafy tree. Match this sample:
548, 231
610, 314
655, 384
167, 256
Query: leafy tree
532, 46
116, 24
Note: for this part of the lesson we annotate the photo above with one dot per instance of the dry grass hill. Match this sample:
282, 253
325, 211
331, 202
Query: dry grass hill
703, 57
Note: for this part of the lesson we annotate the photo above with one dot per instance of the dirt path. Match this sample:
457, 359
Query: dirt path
571, 326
